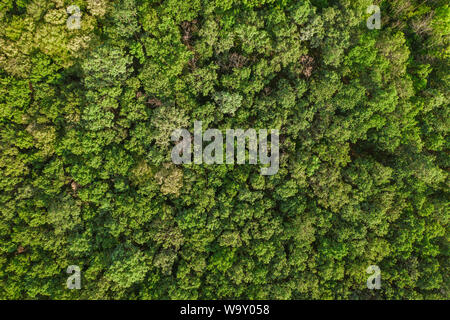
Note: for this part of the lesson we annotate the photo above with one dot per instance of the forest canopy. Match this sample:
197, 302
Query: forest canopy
91, 90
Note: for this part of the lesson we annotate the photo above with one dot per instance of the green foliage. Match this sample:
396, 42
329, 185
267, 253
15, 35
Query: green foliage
86, 177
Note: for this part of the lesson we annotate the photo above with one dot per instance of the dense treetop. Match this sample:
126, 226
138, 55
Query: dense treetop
86, 176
